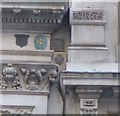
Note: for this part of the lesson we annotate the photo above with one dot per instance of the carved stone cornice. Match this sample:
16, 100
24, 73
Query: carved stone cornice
27, 77
32, 18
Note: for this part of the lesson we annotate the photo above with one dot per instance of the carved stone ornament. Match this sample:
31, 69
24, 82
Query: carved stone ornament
25, 77
52, 75
88, 106
33, 77
87, 15
10, 78
16, 110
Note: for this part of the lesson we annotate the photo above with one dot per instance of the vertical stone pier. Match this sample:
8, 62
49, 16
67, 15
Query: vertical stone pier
92, 68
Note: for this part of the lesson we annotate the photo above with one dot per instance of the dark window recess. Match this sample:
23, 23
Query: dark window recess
21, 40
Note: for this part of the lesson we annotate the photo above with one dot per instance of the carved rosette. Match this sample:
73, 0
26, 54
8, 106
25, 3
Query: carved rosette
23, 77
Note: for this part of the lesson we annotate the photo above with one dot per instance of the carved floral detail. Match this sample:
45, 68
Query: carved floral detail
10, 77
33, 77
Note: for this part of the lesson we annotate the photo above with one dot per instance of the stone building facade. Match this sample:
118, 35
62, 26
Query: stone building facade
59, 57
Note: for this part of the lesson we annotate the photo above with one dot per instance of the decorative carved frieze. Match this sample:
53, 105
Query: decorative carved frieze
91, 92
29, 28
16, 110
87, 16
86, 90
40, 19
33, 77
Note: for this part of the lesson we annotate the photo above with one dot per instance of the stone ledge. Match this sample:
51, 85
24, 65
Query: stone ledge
89, 79
93, 67
44, 93
27, 53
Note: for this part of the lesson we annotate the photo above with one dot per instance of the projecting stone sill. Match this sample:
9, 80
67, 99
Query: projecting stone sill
92, 67
89, 78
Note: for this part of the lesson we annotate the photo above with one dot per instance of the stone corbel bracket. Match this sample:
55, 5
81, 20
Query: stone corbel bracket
87, 16
27, 77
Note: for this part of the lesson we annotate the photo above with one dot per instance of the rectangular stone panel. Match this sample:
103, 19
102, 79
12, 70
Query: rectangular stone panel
38, 102
87, 35
87, 54
87, 16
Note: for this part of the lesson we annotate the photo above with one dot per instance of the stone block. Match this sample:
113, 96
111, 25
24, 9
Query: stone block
87, 54
87, 35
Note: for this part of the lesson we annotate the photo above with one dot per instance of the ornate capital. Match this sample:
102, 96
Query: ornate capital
27, 76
